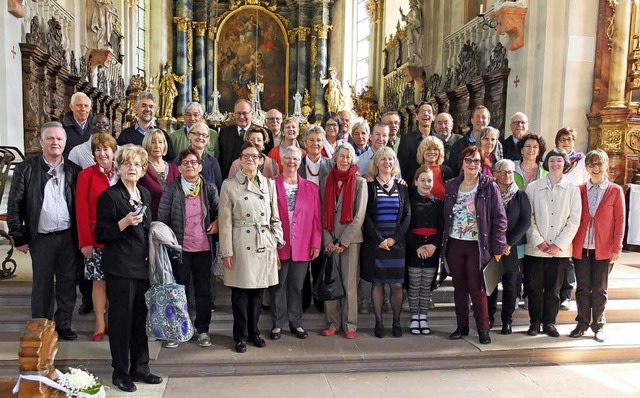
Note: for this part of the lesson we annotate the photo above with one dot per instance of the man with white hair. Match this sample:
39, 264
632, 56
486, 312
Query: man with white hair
193, 113
274, 124
392, 119
444, 128
76, 122
41, 220
519, 127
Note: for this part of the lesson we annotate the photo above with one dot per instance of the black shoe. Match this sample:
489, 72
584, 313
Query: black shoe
125, 385
491, 322
459, 332
506, 329
378, 330
241, 346
67, 334
577, 332
275, 335
149, 379
86, 307
483, 336
534, 329
301, 334
266, 307
396, 330
259, 342
551, 331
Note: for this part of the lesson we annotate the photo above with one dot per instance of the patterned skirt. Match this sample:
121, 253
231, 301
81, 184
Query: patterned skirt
93, 266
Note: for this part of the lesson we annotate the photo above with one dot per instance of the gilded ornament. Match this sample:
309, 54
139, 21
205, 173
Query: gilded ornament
303, 33
182, 23
200, 28
373, 8
314, 51
211, 32
633, 140
306, 104
611, 140
292, 33
323, 30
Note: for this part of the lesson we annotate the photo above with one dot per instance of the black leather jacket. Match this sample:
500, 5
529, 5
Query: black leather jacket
27, 195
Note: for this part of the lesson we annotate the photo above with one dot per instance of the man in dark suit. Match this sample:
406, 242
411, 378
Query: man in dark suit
231, 138
409, 143
41, 220
519, 127
77, 121
146, 112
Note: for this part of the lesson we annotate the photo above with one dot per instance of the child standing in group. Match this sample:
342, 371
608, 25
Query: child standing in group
423, 248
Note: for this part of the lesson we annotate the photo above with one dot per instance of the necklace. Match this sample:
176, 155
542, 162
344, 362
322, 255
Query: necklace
385, 185
468, 185
530, 169
311, 172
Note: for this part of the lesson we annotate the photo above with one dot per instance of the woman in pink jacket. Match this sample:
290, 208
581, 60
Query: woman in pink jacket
597, 243
299, 208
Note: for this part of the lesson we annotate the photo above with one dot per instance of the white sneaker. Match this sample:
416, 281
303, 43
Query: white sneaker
565, 305
204, 340
171, 344
424, 325
414, 326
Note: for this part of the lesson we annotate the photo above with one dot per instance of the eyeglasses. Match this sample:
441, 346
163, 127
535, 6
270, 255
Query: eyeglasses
470, 161
192, 163
594, 164
519, 122
505, 172
277, 119
424, 111
291, 159
196, 114
331, 126
203, 135
250, 156
130, 165
242, 114
565, 139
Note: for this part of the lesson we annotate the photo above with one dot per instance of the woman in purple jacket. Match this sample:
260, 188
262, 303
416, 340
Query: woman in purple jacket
299, 209
474, 231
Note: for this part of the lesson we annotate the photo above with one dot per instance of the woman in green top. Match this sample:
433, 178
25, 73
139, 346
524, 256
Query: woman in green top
529, 167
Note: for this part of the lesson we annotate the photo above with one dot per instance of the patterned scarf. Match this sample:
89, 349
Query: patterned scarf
191, 189
486, 166
509, 193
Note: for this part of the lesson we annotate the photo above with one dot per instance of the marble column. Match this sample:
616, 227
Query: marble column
293, 66
180, 60
619, 53
302, 78
322, 31
199, 64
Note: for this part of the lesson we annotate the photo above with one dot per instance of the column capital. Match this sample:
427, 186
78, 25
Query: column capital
303, 33
211, 32
374, 9
322, 30
182, 23
292, 33
199, 27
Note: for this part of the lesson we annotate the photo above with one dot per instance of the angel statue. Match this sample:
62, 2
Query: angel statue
414, 30
167, 90
333, 90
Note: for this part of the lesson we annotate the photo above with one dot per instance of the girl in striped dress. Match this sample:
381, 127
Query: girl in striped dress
385, 225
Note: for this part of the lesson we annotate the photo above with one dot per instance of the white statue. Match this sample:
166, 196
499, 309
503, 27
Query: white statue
102, 23
414, 30
297, 105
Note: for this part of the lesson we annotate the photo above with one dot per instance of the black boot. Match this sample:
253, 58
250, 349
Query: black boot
459, 332
484, 336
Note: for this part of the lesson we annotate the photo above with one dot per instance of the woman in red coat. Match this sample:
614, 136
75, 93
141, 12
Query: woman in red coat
91, 182
597, 243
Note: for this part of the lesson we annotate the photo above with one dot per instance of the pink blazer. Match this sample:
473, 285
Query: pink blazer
304, 232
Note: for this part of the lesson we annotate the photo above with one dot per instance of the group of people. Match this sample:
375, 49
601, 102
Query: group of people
388, 210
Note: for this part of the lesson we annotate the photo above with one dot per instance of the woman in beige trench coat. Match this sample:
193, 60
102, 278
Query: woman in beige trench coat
250, 234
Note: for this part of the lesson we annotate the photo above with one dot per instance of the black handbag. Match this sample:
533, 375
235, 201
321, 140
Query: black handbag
329, 284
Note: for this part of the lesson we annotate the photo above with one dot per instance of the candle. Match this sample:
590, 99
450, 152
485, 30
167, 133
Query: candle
481, 9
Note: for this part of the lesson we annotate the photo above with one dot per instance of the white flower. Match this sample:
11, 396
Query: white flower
77, 380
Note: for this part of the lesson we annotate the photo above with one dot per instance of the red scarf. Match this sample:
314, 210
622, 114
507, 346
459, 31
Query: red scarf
348, 179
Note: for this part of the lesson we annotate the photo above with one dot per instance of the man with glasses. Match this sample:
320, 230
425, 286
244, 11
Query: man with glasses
444, 128
145, 112
274, 124
345, 127
519, 127
232, 137
480, 118
41, 220
193, 113
409, 145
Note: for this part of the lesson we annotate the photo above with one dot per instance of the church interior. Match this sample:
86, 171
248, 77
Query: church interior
563, 63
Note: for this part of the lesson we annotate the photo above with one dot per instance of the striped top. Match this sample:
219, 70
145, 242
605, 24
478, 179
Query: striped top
387, 212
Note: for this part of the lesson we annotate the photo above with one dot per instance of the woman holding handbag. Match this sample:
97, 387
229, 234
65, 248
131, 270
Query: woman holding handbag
123, 220
299, 210
189, 206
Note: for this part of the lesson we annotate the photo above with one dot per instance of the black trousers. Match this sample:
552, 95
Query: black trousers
246, 305
84, 285
569, 282
543, 278
127, 337
592, 277
54, 260
197, 264
311, 277
509, 294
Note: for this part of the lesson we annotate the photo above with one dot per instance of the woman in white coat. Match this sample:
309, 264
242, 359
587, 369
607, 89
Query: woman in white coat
250, 234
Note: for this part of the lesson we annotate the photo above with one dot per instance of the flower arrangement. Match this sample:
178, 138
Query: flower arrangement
78, 381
